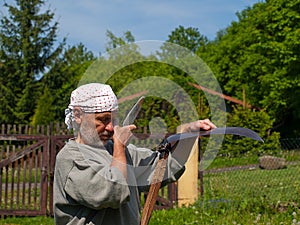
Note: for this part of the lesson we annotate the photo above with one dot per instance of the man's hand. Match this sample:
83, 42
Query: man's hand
197, 125
121, 137
123, 134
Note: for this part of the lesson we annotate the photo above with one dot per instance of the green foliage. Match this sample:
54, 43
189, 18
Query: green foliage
38, 220
64, 77
155, 78
114, 41
27, 102
189, 38
128, 71
260, 54
163, 83
27, 39
256, 57
44, 113
258, 121
7, 98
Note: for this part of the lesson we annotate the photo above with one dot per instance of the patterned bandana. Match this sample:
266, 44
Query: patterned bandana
91, 98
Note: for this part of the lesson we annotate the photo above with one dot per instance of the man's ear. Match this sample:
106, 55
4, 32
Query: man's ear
78, 115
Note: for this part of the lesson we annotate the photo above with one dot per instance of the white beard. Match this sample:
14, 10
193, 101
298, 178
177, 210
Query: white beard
89, 135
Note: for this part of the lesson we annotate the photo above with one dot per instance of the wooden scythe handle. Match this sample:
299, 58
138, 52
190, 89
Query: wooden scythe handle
154, 188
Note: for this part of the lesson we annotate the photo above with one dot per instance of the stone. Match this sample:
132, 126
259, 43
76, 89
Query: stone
271, 162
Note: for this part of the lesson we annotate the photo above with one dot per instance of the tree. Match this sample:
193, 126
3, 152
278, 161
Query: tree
259, 55
189, 38
114, 41
6, 99
64, 77
28, 39
44, 110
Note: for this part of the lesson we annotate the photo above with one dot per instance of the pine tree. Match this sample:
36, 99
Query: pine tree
44, 112
28, 37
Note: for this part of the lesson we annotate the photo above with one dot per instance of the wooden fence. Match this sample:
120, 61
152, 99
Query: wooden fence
27, 160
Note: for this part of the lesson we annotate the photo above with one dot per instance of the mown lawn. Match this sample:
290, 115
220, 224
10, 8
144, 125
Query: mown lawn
251, 196
39, 220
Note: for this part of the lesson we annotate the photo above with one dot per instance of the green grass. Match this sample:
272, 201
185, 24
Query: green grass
22, 175
274, 184
221, 162
229, 162
237, 197
292, 155
242, 197
39, 220
14, 204
222, 215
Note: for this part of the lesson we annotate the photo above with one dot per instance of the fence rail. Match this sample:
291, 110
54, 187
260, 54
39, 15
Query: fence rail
58, 128
23, 174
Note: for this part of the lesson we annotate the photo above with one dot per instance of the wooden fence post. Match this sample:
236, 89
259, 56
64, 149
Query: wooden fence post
188, 182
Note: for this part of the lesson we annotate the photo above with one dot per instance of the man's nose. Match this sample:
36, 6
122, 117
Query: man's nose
109, 126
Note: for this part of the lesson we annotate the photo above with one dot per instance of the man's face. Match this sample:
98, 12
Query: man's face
96, 127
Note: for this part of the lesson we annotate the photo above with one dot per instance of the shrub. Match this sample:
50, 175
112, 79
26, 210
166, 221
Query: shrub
260, 122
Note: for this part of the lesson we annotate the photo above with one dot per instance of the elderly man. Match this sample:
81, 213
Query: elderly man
97, 176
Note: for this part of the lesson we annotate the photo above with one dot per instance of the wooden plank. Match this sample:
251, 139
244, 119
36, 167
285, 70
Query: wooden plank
29, 177
20, 129
21, 137
12, 185
13, 149
3, 129
48, 132
8, 129
43, 129
7, 152
41, 178
24, 183
30, 130
57, 130
21, 154
35, 176
53, 141
6, 188
172, 192
1, 151
14, 129
199, 87
18, 183
44, 177
188, 182
1, 175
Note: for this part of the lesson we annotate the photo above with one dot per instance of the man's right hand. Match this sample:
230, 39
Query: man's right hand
121, 137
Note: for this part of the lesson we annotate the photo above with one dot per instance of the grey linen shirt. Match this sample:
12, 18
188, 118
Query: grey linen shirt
87, 190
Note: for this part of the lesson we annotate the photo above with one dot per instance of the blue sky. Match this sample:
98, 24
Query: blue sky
87, 21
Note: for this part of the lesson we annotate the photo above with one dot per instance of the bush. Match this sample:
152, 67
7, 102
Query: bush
260, 122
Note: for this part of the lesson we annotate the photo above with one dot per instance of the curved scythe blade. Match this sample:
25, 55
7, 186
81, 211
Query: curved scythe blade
240, 131
133, 112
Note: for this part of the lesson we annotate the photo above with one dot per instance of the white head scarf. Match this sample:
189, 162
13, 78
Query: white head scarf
91, 98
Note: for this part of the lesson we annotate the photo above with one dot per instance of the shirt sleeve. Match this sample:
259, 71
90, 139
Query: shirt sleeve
96, 185
144, 163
